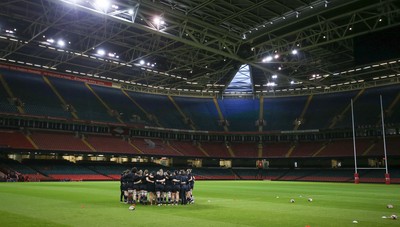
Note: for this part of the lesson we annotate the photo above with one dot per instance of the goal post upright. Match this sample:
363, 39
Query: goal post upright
387, 175
356, 176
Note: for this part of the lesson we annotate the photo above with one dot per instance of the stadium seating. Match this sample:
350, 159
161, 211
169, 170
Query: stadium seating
216, 149
306, 149
368, 102
133, 107
118, 101
36, 95
324, 108
295, 174
214, 174
392, 116
14, 139
11, 165
58, 141
64, 170
245, 150
88, 107
329, 175
275, 149
248, 173
187, 148
5, 105
112, 170
162, 108
240, 113
280, 113
110, 144
367, 108
196, 109
343, 148
154, 147
392, 147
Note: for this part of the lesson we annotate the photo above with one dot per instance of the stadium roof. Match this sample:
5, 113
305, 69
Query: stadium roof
198, 46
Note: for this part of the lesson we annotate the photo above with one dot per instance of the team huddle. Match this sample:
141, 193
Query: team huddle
159, 188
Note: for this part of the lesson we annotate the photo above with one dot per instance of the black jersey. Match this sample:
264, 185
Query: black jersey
137, 179
129, 178
144, 178
150, 183
124, 182
150, 179
143, 184
168, 180
159, 179
184, 179
124, 178
177, 180
190, 178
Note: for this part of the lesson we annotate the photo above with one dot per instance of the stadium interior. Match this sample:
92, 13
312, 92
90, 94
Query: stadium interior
236, 90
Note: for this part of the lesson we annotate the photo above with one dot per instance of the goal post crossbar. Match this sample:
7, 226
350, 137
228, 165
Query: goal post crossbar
356, 168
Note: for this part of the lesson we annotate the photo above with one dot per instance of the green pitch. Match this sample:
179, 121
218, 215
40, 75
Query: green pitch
218, 203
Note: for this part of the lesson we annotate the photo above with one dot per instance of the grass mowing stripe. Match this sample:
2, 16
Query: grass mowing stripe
12, 219
218, 203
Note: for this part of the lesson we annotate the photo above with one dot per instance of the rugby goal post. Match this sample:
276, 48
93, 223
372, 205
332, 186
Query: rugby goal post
356, 168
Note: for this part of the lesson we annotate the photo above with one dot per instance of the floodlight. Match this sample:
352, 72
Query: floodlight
276, 56
158, 21
267, 59
274, 76
102, 4
294, 51
50, 40
101, 52
130, 12
61, 43
142, 62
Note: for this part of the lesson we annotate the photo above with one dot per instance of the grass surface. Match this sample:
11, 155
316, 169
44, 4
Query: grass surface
218, 203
